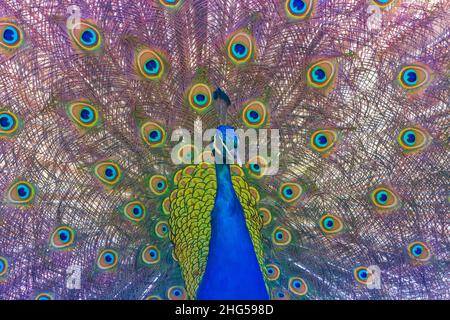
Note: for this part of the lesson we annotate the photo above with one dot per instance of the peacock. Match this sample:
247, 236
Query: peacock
233, 149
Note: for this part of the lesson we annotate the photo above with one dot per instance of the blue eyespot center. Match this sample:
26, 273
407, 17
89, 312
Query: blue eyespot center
177, 293
160, 185
280, 294
256, 167
382, 197
89, 37
328, 223
297, 284
86, 115
11, 35
321, 140
109, 258
297, 6
137, 211
288, 192
23, 191
417, 250
64, 236
362, 274
152, 253
154, 135
279, 235
200, 99
152, 66
410, 77
110, 173
409, 138
269, 270
2, 266
253, 116
319, 75
7, 122
239, 50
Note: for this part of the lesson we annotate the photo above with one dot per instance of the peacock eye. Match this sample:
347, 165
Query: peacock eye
62, 237
11, 36
330, 224
21, 193
150, 64
321, 74
298, 286
44, 296
135, 211
384, 198
265, 215
150, 255
176, 293
257, 167
158, 184
413, 139
107, 259
290, 191
273, 272
254, 114
382, 3
419, 251
86, 36
3, 266
171, 4
153, 134
280, 294
162, 229
281, 236
299, 9
200, 97
9, 123
413, 77
323, 140
83, 114
362, 275
108, 173
240, 47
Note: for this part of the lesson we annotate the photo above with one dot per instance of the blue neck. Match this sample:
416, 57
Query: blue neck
232, 270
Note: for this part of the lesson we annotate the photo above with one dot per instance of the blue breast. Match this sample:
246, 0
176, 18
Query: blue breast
232, 269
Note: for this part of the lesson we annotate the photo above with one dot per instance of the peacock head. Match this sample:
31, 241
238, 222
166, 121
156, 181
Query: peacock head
226, 143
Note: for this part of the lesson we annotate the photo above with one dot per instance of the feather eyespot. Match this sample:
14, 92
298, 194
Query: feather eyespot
254, 114
62, 238
200, 97
330, 224
150, 255
280, 294
108, 172
107, 259
299, 9
419, 251
9, 123
166, 206
44, 296
265, 215
153, 134
162, 229
83, 114
273, 272
382, 3
323, 140
150, 64
3, 267
21, 193
176, 293
153, 298
322, 74
414, 76
281, 236
135, 211
11, 36
158, 184
240, 47
363, 275
413, 139
257, 167
298, 286
171, 4
384, 198
290, 191
86, 36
